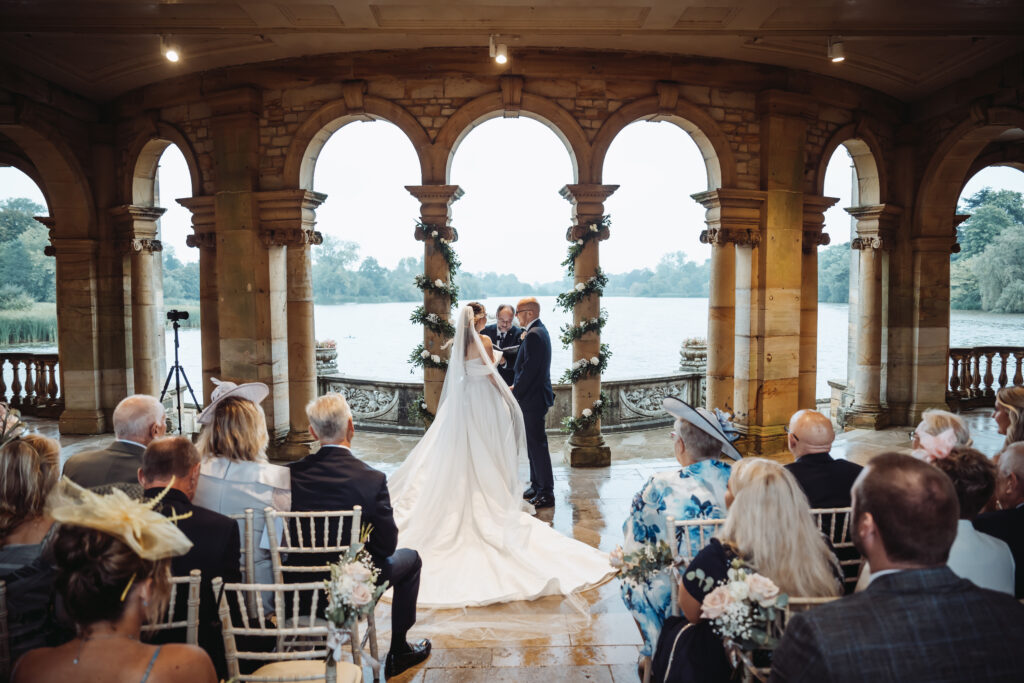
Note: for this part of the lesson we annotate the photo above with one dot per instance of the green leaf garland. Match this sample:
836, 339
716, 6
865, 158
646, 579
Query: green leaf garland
587, 367
571, 332
594, 285
589, 416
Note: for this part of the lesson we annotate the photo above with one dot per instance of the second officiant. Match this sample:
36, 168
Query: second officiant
505, 336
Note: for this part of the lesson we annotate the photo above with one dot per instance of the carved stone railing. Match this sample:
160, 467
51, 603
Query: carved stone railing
30, 382
379, 405
976, 373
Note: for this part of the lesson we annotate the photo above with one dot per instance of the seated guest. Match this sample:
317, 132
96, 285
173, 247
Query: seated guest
334, 479
29, 467
975, 556
1009, 414
1007, 521
138, 420
112, 574
917, 621
695, 491
235, 473
825, 480
170, 471
939, 432
770, 529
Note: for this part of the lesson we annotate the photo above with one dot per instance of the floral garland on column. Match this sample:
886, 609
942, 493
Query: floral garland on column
420, 357
585, 367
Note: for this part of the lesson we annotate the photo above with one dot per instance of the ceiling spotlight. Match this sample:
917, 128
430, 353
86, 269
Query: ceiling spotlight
835, 49
170, 52
499, 51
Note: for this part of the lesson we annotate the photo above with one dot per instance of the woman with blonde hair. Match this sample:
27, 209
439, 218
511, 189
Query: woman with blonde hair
1009, 414
235, 473
769, 529
938, 434
113, 568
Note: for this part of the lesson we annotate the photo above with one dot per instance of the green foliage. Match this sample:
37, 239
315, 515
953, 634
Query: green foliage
593, 232
419, 412
1000, 272
339, 276
22, 241
589, 416
37, 324
595, 284
181, 280
650, 559
17, 214
14, 298
964, 293
834, 274
433, 322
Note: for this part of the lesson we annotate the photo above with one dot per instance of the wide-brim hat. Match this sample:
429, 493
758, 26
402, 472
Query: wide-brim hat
702, 419
250, 391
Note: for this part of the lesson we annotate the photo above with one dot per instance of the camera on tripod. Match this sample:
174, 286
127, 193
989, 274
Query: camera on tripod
177, 315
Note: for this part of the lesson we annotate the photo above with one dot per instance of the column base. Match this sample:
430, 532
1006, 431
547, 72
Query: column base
916, 410
860, 417
764, 442
296, 446
82, 422
589, 451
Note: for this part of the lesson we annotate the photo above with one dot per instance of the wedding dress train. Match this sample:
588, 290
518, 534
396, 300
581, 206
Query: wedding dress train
458, 501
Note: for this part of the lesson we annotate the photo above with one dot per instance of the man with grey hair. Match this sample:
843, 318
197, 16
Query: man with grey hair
334, 479
1007, 523
138, 419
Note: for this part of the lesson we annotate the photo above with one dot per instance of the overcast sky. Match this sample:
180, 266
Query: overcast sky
511, 219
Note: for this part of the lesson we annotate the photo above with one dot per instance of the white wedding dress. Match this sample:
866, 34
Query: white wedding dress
458, 499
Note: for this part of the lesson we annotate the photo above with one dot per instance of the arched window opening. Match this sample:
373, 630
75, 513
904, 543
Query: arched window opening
837, 275
363, 273
658, 269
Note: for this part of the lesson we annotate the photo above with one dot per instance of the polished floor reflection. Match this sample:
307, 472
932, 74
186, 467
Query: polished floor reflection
590, 506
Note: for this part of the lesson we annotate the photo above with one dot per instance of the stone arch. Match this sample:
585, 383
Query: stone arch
712, 143
867, 159
949, 167
144, 157
492, 105
60, 175
25, 165
1011, 159
312, 135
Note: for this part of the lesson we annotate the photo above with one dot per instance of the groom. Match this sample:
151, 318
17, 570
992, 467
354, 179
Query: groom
532, 388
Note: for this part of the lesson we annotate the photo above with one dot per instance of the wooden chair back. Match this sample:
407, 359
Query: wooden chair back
182, 588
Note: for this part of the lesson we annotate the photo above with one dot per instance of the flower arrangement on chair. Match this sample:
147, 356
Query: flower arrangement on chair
352, 593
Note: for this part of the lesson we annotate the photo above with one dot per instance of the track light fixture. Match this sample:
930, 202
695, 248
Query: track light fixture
169, 51
835, 49
498, 51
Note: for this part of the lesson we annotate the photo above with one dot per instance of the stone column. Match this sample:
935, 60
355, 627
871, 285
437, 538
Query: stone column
137, 230
251, 272
587, 447
78, 335
768, 282
287, 217
435, 214
204, 238
732, 216
814, 220
874, 232
931, 324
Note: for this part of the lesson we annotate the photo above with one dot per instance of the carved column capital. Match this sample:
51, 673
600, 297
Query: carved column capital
435, 210
136, 228
587, 207
145, 245
720, 236
50, 223
872, 242
815, 207
203, 222
287, 217
876, 225
732, 216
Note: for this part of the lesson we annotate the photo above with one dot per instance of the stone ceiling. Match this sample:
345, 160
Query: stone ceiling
907, 48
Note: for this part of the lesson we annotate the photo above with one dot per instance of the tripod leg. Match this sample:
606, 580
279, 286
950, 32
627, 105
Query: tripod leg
167, 383
189, 385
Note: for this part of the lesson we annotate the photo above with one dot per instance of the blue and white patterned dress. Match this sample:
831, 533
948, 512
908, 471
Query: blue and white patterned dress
694, 492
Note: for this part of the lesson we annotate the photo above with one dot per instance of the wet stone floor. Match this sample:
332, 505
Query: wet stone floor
591, 505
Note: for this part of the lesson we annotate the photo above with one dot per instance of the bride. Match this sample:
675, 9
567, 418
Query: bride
457, 497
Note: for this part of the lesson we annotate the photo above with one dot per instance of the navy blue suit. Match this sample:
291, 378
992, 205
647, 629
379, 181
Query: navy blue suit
532, 388
507, 371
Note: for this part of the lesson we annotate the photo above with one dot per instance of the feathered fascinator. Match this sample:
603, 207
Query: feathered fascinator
151, 535
935, 446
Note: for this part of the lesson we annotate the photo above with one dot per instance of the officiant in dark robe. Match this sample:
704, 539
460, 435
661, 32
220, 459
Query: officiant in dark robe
504, 335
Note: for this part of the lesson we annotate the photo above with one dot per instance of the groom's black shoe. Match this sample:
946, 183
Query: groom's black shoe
397, 663
542, 501
530, 493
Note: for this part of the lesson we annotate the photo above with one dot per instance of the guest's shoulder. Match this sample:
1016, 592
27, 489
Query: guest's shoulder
998, 519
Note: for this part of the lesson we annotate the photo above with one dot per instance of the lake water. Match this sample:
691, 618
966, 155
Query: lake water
374, 340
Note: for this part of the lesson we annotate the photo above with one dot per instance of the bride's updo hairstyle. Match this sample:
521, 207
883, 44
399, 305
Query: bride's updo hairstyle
479, 314
96, 572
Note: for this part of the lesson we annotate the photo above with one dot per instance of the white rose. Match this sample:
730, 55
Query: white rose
593, 228
358, 572
579, 242
433, 233
597, 403
594, 360
361, 595
762, 589
715, 603
438, 283
587, 412
435, 358
423, 406
580, 287
424, 354
739, 590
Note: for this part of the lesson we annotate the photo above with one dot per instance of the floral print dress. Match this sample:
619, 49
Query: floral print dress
694, 492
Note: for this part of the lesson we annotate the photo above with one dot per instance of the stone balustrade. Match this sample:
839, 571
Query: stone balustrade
379, 405
977, 373
31, 383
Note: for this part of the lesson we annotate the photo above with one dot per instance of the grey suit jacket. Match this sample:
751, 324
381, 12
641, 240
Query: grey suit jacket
117, 463
914, 625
